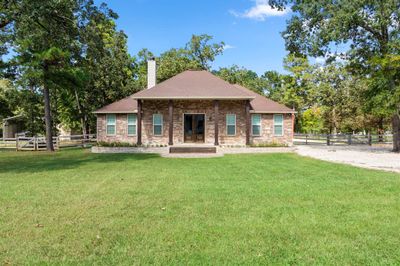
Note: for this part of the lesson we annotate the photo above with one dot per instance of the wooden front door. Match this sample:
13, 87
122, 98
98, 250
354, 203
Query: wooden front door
194, 127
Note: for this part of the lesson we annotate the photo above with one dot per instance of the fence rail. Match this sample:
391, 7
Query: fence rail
39, 143
341, 139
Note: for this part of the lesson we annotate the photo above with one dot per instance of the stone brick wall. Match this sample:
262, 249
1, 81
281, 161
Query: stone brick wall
121, 129
267, 130
181, 107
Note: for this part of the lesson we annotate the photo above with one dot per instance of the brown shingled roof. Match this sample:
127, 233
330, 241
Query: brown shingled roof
194, 85
261, 104
125, 106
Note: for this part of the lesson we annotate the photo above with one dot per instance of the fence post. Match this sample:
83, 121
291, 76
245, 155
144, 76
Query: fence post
328, 140
35, 143
349, 139
369, 139
16, 142
306, 139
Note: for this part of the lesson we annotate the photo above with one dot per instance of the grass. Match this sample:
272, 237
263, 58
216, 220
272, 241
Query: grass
75, 207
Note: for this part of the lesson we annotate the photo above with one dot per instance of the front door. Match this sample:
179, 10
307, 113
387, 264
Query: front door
194, 127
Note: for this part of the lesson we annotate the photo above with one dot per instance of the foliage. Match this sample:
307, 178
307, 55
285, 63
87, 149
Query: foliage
370, 30
244, 77
312, 120
272, 144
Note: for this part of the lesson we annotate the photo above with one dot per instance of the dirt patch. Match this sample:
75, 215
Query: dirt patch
373, 157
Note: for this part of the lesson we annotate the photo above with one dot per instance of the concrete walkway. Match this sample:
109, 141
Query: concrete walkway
374, 157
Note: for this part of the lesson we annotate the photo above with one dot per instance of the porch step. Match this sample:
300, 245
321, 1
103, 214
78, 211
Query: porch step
192, 149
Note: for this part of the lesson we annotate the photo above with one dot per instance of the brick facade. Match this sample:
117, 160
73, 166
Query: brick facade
181, 107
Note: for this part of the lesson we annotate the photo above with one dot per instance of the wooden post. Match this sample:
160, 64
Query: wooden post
306, 139
171, 122
216, 120
16, 141
248, 122
349, 139
139, 122
328, 140
369, 139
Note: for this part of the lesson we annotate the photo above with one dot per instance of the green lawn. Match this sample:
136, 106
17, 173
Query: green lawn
75, 207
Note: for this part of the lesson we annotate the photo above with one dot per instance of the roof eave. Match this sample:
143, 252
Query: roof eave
115, 112
194, 98
273, 112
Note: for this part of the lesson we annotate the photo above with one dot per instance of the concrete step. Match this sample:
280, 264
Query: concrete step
193, 149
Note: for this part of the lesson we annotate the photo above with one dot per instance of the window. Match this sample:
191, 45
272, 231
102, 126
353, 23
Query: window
278, 125
256, 125
157, 124
231, 125
111, 124
132, 124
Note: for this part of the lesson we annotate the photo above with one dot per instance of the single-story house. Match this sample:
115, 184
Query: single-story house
195, 107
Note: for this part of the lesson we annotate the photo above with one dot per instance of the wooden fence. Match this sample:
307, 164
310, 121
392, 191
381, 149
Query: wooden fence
39, 143
341, 139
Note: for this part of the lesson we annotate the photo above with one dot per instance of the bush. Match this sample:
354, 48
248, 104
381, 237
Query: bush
115, 144
126, 144
268, 145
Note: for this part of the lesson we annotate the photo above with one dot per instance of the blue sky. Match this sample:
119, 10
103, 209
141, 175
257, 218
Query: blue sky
249, 28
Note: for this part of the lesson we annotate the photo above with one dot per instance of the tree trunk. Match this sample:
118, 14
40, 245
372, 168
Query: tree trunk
396, 132
381, 131
47, 117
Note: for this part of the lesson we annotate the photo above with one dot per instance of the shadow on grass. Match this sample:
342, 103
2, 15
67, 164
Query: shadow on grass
32, 162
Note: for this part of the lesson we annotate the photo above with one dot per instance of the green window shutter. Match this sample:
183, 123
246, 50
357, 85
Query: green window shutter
231, 124
256, 124
278, 125
111, 124
132, 120
157, 124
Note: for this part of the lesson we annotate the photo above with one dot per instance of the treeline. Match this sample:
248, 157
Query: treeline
61, 60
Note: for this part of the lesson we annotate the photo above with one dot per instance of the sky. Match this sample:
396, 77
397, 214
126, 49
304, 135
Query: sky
250, 29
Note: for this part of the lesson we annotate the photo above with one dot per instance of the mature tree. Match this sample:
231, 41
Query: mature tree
200, 51
197, 54
242, 76
369, 27
104, 71
43, 34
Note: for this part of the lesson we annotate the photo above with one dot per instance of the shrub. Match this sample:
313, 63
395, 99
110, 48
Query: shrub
272, 144
115, 144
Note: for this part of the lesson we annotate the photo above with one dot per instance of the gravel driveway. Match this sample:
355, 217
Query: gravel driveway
375, 157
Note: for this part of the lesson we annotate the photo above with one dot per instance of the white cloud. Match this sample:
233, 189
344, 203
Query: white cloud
227, 46
260, 11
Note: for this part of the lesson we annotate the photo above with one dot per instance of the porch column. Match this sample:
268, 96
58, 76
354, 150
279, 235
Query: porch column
216, 119
248, 122
139, 122
171, 122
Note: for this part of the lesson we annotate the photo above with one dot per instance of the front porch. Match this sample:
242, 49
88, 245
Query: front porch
192, 122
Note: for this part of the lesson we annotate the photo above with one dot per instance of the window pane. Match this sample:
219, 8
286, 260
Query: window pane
157, 119
131, 130
256, 130
278, 130
278, 119
111, 119
231, 130
256, 119
230, 119
131, 119
157, 130
110, 130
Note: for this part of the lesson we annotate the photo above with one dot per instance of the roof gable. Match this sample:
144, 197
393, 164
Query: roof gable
193, 85
124, 106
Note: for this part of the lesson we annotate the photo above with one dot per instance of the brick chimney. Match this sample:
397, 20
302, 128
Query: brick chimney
151, 73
